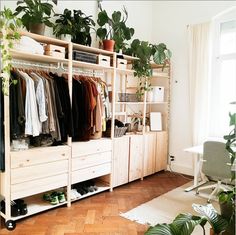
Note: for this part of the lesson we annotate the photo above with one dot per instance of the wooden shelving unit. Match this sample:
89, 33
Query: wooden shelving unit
28, 174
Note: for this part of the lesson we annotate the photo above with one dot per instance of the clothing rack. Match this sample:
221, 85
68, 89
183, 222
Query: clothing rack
38, 65
83, 72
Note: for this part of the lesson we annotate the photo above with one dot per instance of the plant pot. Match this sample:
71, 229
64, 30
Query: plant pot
37, 28
66, 37
108, 45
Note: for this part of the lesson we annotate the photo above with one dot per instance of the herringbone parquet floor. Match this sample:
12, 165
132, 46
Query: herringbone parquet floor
99, 214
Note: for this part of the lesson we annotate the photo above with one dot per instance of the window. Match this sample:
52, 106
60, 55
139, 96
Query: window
223, 82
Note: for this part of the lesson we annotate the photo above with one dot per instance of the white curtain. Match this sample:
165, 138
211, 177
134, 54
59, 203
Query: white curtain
199, 78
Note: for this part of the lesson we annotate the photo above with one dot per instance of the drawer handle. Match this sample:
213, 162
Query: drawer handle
63, 154
93, 172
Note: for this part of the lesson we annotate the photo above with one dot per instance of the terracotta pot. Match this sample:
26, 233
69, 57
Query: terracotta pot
108, 45
37, 28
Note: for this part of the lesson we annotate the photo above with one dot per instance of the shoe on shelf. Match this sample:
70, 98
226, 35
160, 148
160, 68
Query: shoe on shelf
61, 197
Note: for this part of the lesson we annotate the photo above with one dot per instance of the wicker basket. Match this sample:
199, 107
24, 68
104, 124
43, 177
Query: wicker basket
128, 97
118, 132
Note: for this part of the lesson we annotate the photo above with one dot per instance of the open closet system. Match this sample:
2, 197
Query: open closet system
110, 162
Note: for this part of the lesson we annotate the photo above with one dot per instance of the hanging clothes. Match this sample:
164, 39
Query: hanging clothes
40, 107
88, 108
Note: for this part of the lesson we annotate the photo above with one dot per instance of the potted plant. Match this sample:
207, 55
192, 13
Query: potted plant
63, 26
81, 27
36, 14
113, 31
184, 224
9, 28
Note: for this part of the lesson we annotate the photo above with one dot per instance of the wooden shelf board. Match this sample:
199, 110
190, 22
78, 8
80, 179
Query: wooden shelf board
45, 39
90, 65
158, 66
91, 49
157, 102
160, 76
35, 204
100, 189
125, 71
130, 58
35, 57
134, 103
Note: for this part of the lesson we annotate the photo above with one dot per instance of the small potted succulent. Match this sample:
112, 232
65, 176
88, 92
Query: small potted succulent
36, 14
113, 31
63, 27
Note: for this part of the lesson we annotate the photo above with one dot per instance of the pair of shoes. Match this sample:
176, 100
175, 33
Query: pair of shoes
74, 194
18, 207
55, 197
85, 187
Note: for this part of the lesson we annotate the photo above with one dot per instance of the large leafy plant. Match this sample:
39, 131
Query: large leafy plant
9, 27
184, 224
114, 28
82, 26
63, 24
34, 12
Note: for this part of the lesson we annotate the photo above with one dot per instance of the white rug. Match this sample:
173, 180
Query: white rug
166, 207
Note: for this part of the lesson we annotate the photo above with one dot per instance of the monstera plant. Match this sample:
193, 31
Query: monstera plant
113, 30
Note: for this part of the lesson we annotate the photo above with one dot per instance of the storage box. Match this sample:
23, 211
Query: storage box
104, 60
121, 63
84, 57
158, 93
128, 97
55, 51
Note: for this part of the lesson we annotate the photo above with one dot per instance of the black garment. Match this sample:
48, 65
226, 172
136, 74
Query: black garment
17, 112
80, 112
2, 144
63, 104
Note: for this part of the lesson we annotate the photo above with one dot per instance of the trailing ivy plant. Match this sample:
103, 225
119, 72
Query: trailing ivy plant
9, 28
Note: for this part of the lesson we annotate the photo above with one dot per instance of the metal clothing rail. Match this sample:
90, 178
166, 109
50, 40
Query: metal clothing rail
84, 72
38, 65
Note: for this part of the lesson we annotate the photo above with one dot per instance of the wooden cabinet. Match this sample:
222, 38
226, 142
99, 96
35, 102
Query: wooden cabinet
135, 157
149, 154
120, 161
161, 151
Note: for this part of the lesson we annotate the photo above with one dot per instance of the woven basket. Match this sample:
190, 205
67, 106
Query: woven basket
118, 132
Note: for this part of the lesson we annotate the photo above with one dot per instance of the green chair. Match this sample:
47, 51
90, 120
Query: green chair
216, 167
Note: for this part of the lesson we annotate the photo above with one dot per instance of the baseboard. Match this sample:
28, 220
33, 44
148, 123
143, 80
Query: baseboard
180, 169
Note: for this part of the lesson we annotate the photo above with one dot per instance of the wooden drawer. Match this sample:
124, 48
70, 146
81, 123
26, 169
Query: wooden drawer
38, 186
90, 173
24, 174
90, 160
91, 147
39, 155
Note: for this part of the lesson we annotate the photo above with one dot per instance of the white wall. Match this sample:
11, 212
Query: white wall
140, 13
170, 20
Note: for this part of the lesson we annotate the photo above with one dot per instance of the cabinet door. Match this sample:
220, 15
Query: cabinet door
121, 161
149, 154
161, 151
136, 157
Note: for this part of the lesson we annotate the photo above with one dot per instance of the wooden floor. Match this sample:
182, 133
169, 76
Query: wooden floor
99, 214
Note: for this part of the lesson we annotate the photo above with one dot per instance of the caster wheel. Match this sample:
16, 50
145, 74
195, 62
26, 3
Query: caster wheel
197, 192
10, 225
208, 201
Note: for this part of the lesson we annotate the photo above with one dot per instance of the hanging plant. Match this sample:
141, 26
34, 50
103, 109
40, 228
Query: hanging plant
9, 28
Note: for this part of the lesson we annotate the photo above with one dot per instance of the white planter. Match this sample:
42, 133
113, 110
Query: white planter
66, 37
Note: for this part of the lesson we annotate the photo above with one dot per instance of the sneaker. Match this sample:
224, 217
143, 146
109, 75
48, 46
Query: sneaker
61, 197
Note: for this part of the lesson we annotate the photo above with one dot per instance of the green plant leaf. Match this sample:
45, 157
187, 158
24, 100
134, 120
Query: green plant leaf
116, 16
162, 229
102, 18
218, 223
102, 32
